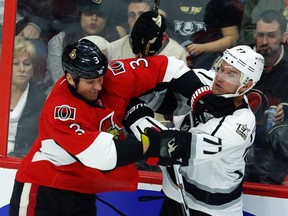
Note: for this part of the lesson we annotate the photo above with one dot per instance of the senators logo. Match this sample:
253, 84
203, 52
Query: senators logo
108, 125
116, 67
73, 54
64, 113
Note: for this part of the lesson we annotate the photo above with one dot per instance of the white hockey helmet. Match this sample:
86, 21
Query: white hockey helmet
246, 60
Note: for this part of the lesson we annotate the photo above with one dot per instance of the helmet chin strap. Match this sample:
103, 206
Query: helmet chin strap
231, 95
236, 94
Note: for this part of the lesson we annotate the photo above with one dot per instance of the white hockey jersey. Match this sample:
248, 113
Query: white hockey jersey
213, 179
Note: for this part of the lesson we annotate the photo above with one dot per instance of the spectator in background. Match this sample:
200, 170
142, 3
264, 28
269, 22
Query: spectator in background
270, 31
205, 28
252, 10
93, 20
122, 48
119, 13
26, 100
269, 163
33, 20
271, 89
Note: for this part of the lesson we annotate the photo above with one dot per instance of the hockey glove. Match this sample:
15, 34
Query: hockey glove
174, 146
204, 101
149, 26
136, 110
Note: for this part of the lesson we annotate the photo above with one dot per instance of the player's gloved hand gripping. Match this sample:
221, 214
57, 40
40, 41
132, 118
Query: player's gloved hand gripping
150, 25
138, 110
175, 145
203, 100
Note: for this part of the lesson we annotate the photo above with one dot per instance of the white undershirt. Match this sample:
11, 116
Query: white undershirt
15, 115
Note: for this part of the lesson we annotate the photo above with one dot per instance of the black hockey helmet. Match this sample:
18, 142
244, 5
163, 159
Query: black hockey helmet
84, 59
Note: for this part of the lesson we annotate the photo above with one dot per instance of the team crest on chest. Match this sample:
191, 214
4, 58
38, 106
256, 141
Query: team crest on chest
108, 125
64, 112
242, 130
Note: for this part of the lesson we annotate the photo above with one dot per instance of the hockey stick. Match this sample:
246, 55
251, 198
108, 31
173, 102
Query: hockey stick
157, 20
181, 189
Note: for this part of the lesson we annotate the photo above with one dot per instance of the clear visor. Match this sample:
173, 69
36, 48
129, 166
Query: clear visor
228, 73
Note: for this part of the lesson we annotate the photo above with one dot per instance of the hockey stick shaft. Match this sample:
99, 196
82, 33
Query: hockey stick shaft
181, 189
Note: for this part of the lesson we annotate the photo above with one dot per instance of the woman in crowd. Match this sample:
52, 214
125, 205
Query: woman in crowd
26, 100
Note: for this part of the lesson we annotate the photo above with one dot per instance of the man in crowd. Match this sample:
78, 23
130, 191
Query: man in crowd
267, 165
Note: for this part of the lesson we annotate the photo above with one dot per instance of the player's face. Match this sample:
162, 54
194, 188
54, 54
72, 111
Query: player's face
227, 80
268, 38
90, 88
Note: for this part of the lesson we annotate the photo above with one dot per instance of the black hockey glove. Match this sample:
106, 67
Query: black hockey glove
136, 110
204, 101
174, 146
148, 28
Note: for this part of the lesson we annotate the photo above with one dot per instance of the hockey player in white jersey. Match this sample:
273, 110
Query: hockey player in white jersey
211, 151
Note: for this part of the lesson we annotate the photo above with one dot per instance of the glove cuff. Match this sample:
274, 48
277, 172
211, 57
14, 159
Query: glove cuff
141, 124
137, 109
198, 94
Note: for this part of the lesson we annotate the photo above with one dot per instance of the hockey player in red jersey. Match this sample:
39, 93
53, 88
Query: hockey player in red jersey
209, 151
81, 148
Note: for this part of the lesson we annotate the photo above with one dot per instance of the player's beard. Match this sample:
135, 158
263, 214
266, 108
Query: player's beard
73, 90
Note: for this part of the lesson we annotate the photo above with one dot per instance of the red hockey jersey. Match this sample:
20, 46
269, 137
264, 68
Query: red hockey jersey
75, 149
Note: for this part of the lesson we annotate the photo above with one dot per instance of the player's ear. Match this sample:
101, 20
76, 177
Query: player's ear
70, 79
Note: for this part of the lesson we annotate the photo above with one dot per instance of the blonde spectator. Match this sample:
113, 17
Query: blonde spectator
26, 100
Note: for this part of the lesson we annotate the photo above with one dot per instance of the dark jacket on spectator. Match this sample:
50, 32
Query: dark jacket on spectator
27, 129
270, 163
